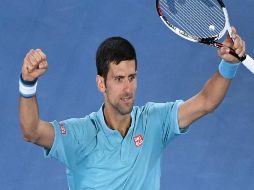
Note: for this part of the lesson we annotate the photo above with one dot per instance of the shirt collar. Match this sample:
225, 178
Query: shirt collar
108, 131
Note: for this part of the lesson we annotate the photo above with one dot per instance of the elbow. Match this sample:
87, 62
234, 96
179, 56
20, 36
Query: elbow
29, 136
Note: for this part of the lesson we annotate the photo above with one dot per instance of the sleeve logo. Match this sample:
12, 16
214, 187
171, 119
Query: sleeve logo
62, 129
138, 140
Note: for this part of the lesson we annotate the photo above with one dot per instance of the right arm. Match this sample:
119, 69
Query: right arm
33, 128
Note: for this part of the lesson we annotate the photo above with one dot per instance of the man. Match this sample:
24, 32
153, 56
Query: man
120, 146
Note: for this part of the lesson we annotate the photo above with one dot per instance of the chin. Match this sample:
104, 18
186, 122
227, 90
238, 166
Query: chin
125, 111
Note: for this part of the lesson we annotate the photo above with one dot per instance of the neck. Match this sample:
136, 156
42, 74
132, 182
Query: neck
117, 121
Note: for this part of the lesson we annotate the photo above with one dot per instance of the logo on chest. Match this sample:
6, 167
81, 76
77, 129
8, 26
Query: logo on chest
138, 140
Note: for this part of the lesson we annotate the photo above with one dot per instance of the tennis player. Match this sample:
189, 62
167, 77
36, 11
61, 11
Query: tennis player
119, 147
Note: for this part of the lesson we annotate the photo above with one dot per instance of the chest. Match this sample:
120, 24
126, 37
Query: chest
110, 151
113, 159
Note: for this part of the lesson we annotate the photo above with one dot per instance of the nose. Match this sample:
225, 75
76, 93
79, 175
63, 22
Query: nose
127, 85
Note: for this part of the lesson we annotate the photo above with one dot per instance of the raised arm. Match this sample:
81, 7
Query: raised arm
216, 87
33, 128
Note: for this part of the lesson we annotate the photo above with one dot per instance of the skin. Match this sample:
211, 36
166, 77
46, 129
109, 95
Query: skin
119, 94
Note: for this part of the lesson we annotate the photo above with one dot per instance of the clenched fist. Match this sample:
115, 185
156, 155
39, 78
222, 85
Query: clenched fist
35, 64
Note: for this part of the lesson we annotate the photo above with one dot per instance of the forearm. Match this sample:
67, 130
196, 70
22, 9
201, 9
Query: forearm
214, 91
205, 101
29, 116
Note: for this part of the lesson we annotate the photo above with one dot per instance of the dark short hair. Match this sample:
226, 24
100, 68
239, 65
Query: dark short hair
113, 50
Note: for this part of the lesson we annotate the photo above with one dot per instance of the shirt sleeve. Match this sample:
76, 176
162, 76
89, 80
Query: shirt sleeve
72, 137
166, 117
171, 127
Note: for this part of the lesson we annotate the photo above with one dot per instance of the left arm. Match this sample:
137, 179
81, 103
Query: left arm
215, 88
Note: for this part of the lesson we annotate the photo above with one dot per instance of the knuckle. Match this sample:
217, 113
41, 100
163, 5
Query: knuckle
37, 56
31, 59
44, 57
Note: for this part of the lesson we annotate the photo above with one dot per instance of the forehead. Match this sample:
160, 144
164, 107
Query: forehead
123, 68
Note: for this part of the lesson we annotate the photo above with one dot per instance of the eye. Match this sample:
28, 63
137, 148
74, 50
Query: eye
132, 77
119, 78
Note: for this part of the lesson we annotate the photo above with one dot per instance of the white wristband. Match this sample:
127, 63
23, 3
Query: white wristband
27, 91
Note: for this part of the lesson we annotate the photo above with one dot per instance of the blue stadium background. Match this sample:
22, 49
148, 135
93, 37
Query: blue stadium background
217, 153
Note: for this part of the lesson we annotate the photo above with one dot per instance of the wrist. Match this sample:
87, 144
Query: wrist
228, 70
27, 89
27, 82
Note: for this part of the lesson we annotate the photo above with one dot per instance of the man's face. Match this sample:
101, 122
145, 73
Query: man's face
120, 88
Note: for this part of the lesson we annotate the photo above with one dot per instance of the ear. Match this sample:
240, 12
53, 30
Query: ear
100, 83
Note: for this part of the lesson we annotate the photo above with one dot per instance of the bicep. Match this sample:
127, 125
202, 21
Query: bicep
191, 110
45, 134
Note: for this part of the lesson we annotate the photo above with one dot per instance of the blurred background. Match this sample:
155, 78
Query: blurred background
217, 153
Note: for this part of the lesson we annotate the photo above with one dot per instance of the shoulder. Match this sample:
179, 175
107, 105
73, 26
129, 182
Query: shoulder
77, 122
78, 127
158, 107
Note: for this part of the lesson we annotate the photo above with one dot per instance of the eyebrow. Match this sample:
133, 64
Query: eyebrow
134, 74
122, 76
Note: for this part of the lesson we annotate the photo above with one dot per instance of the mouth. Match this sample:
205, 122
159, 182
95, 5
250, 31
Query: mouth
126, 99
